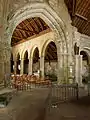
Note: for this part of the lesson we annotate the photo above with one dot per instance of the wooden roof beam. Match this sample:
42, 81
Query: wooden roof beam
37, 28
73, 7
82, 17
17, 38
40, 23
32, 26
24, 30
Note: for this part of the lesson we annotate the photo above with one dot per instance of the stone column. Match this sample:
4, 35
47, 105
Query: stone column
4, 44
71, 70
7, 73
66, 67
78, 69
30, 66
6, 63
60, 64
42, 66
22, 66
2, 73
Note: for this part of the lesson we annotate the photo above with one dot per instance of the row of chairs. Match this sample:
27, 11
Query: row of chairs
25, 81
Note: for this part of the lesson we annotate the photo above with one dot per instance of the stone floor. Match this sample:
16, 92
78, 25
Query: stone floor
74, 110
29, 106
26, 106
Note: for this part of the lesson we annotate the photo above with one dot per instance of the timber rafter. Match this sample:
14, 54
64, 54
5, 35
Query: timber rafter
80, 14
28, 28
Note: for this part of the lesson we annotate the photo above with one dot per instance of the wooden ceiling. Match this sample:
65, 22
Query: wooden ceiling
79, 11
80, 14
28, 28
51, 52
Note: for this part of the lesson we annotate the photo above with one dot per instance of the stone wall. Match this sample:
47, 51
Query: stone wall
56, 15
84, 42
31, 44
51, 68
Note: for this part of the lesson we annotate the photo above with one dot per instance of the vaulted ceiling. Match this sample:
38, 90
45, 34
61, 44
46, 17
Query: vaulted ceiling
80, 14
31, 27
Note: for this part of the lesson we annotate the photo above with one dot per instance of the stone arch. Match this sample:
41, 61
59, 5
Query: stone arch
32, 50
15, 55
45, 46
18, 55
23, 53
45, 12
87, 51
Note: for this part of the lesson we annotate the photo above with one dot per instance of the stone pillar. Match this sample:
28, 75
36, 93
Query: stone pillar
2, 72
66, 67
42, 66
71, 71
7, 72
63, 67
78, 69
60, 70
5, 50
5, 64
22, 66
30, 66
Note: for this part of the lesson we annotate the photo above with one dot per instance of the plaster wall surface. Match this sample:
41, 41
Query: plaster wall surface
31, 44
